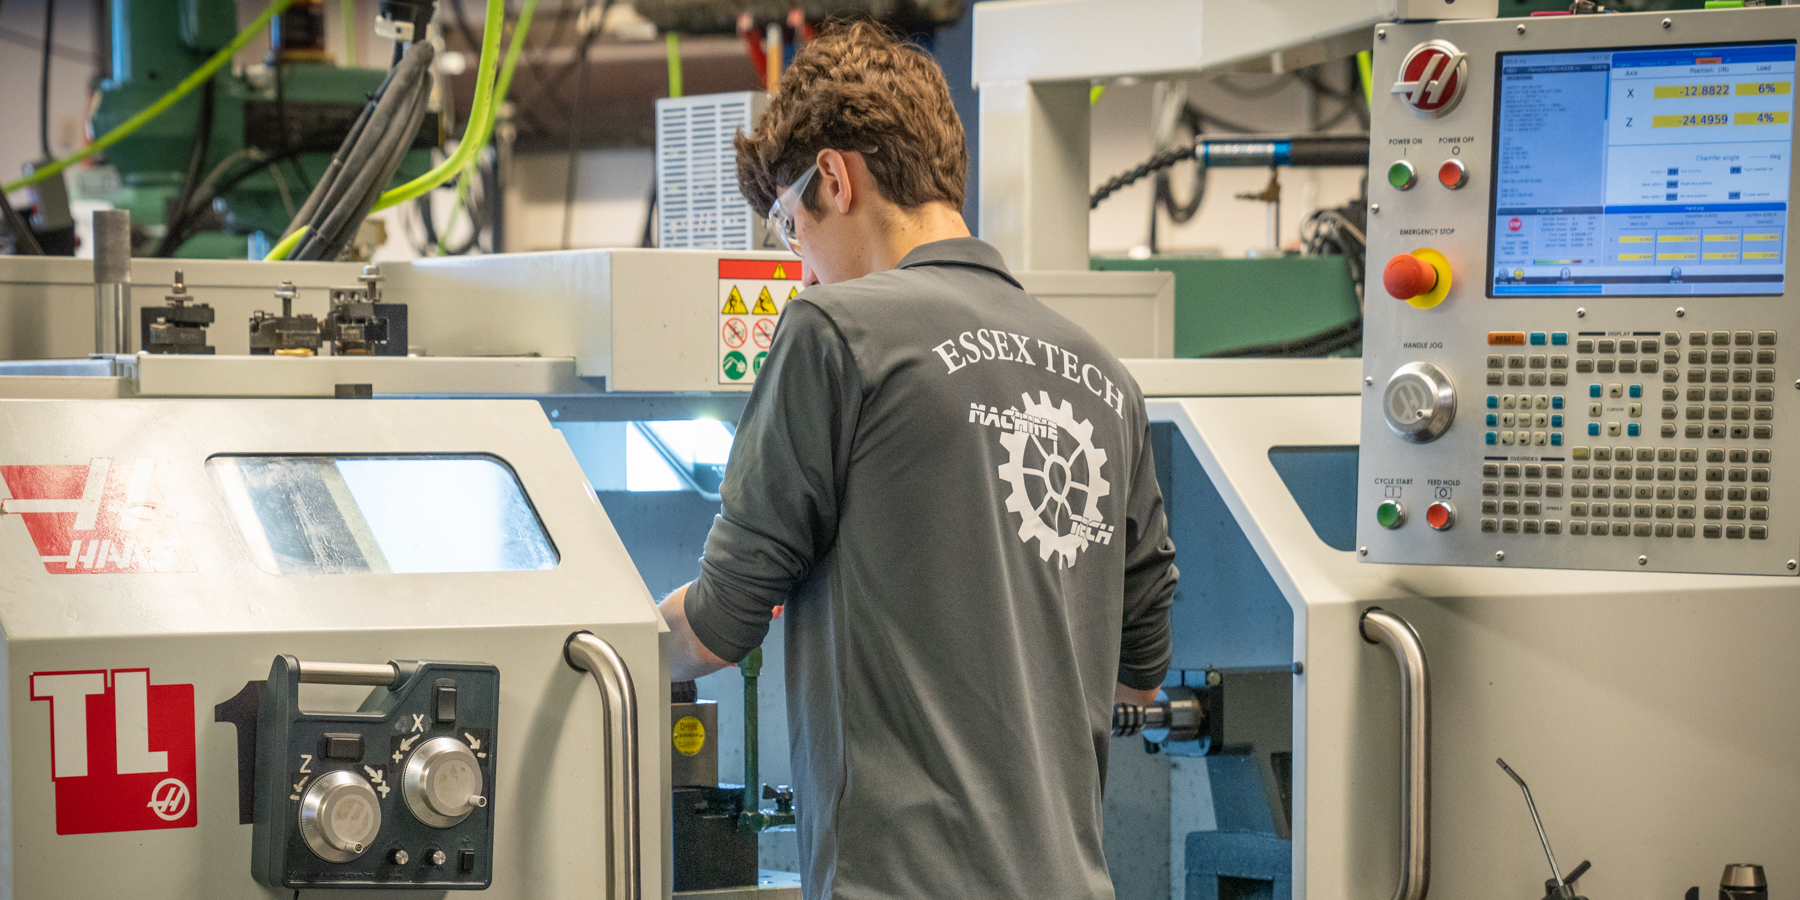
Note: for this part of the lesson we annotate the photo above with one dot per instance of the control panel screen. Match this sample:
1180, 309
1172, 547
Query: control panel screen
1642, 172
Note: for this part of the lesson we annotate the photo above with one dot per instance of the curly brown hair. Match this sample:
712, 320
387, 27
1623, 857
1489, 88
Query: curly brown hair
854, 88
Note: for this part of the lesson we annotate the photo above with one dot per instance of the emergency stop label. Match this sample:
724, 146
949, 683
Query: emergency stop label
752, 294
102, 518
121, 750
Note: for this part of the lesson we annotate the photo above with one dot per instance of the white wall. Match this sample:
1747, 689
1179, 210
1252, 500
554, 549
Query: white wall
72, 69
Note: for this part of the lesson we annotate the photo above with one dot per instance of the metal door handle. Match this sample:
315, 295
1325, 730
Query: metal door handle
1381, 627
586, 653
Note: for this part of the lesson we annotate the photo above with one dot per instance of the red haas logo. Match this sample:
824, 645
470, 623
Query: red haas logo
121, 750
101, 518
1432, 78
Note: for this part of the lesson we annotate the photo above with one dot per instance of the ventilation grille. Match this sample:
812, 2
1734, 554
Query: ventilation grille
698, 202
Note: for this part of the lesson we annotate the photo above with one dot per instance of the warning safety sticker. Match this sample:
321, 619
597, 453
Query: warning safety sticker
102, 518
752, 294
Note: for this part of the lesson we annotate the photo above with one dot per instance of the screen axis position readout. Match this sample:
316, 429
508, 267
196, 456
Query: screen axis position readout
1642, 172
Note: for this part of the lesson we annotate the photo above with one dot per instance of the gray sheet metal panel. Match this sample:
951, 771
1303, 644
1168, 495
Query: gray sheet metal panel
1648, 707
1453, 335
219, 626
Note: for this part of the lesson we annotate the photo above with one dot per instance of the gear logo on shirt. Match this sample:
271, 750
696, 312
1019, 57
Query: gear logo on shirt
1055, 473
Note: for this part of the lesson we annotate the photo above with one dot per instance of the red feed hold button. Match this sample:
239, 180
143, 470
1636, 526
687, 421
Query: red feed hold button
1407, 276
1440, 515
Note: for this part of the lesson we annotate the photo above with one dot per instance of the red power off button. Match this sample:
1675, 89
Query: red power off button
1440, 515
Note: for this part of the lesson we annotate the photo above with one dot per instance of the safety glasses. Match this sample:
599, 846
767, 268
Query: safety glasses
786, 207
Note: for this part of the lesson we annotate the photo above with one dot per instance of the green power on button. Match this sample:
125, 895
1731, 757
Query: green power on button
1402, 176
1390, 514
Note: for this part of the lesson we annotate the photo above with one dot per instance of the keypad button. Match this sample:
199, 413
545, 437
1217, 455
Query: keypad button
1713, 512
1715, 376
1743, 338
1490, 507
1641, 510
1533, 507
1641, 492
1671, 357
1765, 395
1509, 507
1759, 476
1578, 490
1553, 490
1515, 379
1741, 357
1762, 432
1628, 366
1559, 338
1759, 514
1578, 528
1537, 379
1697, 338
1763, 376
1740, 414
1737, 455
1759, 533
1721, 339
1686, 531
1496, 378
1606, 346
1490, 489
1759, 495
1558, 379
1496, 361
1539, 361
1605, 366
1712, 531
1742, 376
1737, 475
1553, 471
1734, 532
1696, 376
1693, 432
1672, 338
1509, 526
1720, 357
1759, 455
1715, 474
1602, 491
1490, 526
1765, 357
1584, 366
1511, 470
1685, 511
1584, 346
1511, 488
1530, 526
1515, 361
1735, 494
1665, 473
1668, 431
1734, 513
1686, 492
1671, 375
1553, 526
1534, 489
1562, 362
1765, 338
1695, 358
1665, 492
1715, 413
1715, 493
1638, 529
1578, 509
1634, 410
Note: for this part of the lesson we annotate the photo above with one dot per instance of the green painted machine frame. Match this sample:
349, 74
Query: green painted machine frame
1225, 303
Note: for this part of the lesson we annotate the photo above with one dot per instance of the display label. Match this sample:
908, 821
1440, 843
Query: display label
102, 518
121, 750
752, 294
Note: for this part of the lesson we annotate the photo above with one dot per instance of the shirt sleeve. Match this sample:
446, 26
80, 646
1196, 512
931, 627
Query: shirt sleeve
1150, 578
782, 484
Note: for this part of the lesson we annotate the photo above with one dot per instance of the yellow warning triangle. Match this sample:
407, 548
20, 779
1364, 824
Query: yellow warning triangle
780, 271
734, 305
765, 304
792, 293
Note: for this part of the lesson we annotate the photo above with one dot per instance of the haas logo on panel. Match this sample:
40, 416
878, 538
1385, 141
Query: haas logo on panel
1432, 78
102, 518
121, 750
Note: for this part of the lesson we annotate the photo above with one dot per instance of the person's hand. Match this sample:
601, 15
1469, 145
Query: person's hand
1133, 696
688, 659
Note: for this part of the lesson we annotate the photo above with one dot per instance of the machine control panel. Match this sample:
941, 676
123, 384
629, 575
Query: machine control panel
396, 794
1575, 340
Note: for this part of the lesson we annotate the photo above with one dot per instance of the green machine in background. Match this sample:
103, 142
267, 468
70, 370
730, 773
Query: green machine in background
1225, 304
271, 133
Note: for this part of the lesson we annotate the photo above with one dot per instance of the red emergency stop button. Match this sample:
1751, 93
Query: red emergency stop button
1408, 276
1440, 515
1421, 278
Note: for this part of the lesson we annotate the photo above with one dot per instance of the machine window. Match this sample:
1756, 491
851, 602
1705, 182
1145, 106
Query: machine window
317, 515
1642, 172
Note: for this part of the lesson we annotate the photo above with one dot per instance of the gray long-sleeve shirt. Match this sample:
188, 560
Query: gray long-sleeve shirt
951, 488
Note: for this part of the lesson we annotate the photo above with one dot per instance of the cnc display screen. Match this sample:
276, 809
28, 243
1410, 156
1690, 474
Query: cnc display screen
1642, 172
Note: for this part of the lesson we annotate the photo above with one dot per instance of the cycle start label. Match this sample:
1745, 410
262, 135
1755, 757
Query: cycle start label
752, 294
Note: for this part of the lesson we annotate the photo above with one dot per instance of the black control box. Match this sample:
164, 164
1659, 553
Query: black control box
398, 794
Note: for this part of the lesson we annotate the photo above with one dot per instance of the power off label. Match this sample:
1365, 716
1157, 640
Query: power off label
752, 294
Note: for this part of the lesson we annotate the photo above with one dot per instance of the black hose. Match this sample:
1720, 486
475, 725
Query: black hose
334, 230
190, 181
648, 239
357, 158
44, 81
328, 178
572, 177
1337, 337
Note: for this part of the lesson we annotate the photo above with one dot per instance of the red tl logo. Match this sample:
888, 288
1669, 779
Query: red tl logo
121, 750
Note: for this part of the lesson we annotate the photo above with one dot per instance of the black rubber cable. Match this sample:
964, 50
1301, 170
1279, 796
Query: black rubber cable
336, 195
571, 178
320, 189
23, 241
44, 80
338, 227
190, 181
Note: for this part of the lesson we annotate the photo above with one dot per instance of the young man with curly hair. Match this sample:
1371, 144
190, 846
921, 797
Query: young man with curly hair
949, 489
